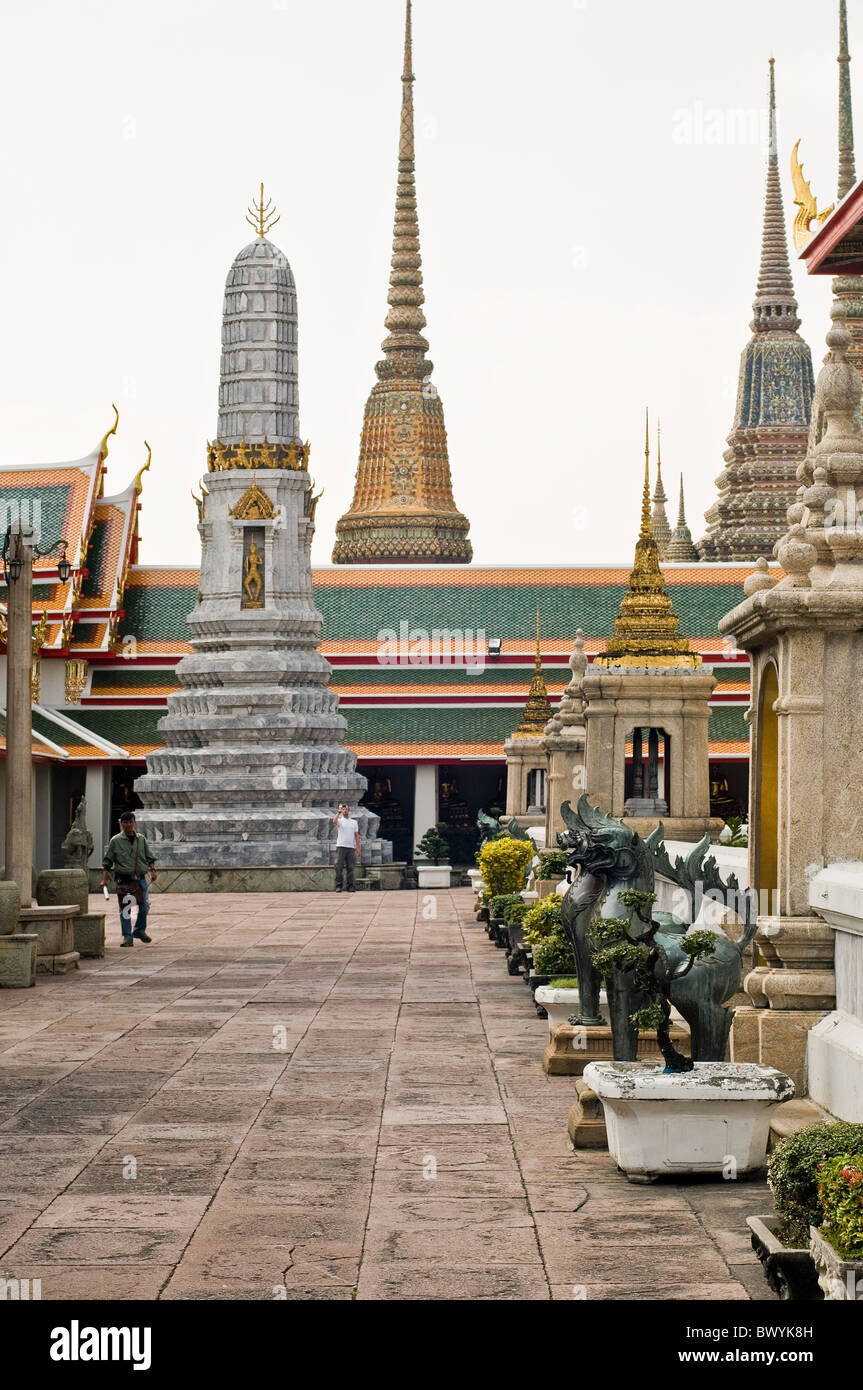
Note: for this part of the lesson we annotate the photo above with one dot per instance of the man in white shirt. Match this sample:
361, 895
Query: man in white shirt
347, 846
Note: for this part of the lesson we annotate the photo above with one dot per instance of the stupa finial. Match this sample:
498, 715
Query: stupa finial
646, 533
847, 175
775, 306
262, 216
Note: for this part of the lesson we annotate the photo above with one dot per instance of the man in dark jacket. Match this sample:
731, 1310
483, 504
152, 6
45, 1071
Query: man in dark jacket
129, 855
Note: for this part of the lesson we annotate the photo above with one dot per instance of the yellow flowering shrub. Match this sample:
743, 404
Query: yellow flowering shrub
503, 863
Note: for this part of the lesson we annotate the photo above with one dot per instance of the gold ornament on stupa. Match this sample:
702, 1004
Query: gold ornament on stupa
646, 628
537, 709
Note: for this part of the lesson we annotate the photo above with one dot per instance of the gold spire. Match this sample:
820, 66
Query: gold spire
646, 628
262, 216
537, 709
645, 532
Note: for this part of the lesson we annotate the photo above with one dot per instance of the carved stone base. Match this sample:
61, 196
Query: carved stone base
586, 1120
18, 961
571, 1048
775, 1037
57, 965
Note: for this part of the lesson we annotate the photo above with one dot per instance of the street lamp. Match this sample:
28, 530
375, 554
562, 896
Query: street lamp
12, 560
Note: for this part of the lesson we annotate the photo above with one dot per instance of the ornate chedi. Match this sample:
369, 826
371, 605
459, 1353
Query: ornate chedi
526, 759
649, 694
403, 509
681, 548
774, 397
253, 765
848, 288
658, 518
806, 722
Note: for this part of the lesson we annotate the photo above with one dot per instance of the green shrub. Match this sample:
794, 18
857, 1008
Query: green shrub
515, 913
542, 918
499, 904
552, 955
793, 1173
552, 864
504, 863
840, 1195
434, 845
568, 982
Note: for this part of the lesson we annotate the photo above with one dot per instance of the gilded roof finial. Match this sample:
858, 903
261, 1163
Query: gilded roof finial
103, 447
141, 471
262, 216
645, 533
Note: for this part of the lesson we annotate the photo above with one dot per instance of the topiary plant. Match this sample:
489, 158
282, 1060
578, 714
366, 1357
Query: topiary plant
434, 845
503, 864
552, 955
629, 944
500, 902
542, 919
793, 1173
552, 864
840, 1197
515, 913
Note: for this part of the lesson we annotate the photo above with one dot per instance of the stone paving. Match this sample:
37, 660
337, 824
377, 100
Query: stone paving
310, 1096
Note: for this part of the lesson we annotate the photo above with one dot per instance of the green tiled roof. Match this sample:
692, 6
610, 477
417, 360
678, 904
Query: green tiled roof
131, 678
485, 724
158, 614
509, 611
490, 674
122, 726
96, 583
53, 500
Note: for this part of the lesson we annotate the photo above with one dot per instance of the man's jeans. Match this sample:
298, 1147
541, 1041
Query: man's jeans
127, 902
345, 860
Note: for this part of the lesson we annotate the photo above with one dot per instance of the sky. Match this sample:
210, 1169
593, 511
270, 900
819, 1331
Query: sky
590, 179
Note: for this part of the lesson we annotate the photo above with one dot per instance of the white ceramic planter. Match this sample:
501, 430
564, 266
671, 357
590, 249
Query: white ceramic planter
475, 876
560, 1003
433, 875
713, 1119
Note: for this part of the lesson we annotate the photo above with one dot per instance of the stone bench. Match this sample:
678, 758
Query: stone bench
54, 928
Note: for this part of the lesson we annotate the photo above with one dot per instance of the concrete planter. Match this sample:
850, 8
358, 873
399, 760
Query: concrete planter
560, 1003
789, 1271
700, 1121
841, 1281
433, 875
18, 960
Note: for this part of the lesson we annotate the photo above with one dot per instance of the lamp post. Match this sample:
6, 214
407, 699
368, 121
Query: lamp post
19, 547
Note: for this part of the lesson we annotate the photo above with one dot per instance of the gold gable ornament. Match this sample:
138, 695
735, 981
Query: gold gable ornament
254, 505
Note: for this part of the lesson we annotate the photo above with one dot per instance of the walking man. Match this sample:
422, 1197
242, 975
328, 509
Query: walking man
129, 855
347, 846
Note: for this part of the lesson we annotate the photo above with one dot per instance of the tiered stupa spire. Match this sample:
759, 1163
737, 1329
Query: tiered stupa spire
659, 520
681, 547
848, 288
537, 710
774, 397
403, 508
646, 628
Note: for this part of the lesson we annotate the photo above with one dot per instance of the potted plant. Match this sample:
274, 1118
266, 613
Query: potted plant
497, 915
514, 933
433, 848
503, 863
720, 1108
559, 998
550, 870
781, 1239
837, 1247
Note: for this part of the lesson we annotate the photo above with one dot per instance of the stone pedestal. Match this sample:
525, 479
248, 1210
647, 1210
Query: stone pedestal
54, 928
586, 1119
571, 1049
18, 960
89, 934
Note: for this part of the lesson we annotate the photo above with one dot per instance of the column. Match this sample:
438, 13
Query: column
637, 764
425, 800
97, 790
19, 733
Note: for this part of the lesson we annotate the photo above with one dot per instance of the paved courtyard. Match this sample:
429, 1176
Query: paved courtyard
322, 1097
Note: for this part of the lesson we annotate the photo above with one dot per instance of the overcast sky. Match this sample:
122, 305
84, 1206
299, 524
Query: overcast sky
591, 181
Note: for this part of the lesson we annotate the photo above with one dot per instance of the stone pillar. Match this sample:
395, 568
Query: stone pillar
806, 752
19, 757
97, 790
425, 800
